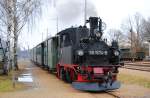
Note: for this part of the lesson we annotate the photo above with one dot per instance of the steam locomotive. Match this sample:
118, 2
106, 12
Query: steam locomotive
81, 57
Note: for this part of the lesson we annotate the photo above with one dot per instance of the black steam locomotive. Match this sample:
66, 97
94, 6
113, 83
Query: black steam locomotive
80, 56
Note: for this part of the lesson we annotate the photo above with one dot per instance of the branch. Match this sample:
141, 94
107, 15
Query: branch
27, 12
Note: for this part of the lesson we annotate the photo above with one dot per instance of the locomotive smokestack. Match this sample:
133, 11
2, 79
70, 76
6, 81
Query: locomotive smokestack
95, 26
93, 21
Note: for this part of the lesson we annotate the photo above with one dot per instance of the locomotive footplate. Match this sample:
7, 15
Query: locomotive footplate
96, 86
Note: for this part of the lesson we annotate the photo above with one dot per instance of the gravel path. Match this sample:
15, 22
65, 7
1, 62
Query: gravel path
46, 85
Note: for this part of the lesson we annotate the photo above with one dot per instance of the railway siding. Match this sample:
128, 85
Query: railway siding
141, 66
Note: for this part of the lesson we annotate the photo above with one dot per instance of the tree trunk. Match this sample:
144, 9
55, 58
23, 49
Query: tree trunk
15, 27
15, 60
9, 32
8, 47
15, 56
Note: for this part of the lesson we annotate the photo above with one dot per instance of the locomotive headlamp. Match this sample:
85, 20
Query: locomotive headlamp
80, 52
105, 52
116, 53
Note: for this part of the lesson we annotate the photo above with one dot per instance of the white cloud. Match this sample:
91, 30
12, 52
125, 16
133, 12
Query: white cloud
113, 12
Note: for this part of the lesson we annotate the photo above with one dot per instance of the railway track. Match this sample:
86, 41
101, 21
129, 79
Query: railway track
140, 67
108, 93
114, 95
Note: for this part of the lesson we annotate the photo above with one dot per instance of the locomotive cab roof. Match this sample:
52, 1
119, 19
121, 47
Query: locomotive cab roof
75, 34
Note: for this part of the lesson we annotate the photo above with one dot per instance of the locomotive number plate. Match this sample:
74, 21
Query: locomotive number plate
98, 52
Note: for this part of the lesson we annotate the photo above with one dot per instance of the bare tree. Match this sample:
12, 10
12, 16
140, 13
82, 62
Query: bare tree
138, 20
15, 14
134, 31
117, 35
146, 27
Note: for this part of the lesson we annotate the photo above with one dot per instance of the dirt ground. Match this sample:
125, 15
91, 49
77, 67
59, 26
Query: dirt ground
135, 73
47, 85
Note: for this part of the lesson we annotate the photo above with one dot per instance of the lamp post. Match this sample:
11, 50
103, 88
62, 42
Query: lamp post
85, 11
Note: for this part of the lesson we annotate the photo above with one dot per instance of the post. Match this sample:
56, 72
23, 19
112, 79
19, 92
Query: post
57, 24
42, 36
132, 51
47, 34
85, 13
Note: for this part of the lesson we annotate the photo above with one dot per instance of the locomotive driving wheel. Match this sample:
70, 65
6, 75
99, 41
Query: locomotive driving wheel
62, 74
68, 77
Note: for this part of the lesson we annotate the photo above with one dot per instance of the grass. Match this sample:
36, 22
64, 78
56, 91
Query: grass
132, 79
6, 84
